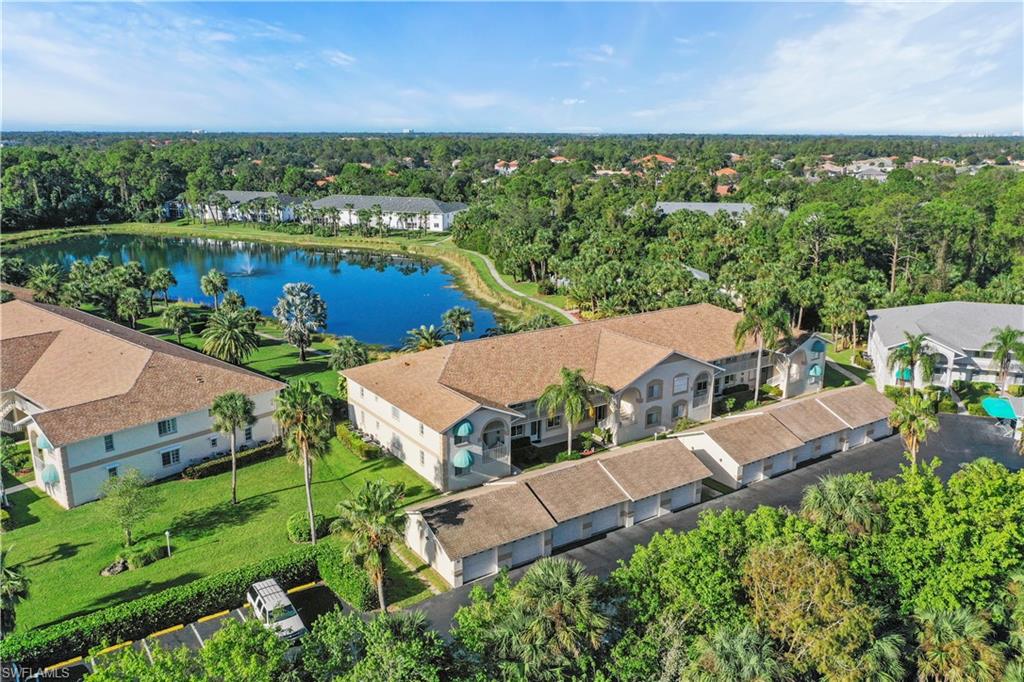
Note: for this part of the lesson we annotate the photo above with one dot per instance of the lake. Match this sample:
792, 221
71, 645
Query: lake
374, 296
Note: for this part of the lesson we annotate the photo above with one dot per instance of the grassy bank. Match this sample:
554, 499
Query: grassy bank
466, 266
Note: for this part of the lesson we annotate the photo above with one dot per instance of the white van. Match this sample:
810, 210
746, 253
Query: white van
272, 607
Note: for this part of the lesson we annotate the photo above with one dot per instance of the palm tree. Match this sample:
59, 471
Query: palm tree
304, 415
213, 284
847, 503
425, 337
882, 661
914, 416
768, 325
13, 588
300, 311
740, 655
954, 645
555, 619
573, 396
347, 353
131, 305
232, 300
458, 320
177, 319
161, 279
45, 282
229, 336
232, 411
911, 355
376, 521
1007, 343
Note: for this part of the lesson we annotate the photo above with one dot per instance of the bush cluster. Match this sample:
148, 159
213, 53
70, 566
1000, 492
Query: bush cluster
344, 578
142, 555
138, 618
357, 445
221, 464
1016, 391
298, 526
861, 359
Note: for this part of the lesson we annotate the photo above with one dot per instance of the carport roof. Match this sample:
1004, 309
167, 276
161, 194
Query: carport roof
571, 491
653, 468
858, 405
750, 439
808, 419
484, 518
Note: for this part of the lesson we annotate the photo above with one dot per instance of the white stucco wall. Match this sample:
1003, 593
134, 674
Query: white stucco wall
723, 468
421, 540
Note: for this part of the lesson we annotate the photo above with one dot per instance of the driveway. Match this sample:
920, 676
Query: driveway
960, 439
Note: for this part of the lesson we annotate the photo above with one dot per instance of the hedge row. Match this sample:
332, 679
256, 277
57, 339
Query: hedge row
344, 578
222, 464
357, 445
138, 618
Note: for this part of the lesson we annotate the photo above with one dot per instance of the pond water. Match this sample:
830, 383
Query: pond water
374, 296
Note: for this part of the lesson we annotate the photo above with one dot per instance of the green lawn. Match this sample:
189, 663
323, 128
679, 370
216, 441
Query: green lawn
63, 551
845, 358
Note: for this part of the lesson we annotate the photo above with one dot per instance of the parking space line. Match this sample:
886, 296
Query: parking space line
242, 615
70, 661
196, 633
300, 588
173, 628
214, 615
149, 654
111, 649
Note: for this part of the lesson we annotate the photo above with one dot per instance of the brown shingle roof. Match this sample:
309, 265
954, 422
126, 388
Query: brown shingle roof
652, 468
857, 405
512, 369
753, 438
574, 489
807, 419
95, 377
485, 517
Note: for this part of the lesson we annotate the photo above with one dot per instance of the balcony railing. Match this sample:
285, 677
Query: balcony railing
500, 452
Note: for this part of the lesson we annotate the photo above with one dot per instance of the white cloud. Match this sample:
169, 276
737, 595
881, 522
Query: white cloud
602, 54
338, 58
572, 101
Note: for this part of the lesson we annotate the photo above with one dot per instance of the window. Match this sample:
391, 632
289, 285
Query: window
108, 443
422, 458
395, 414
729, 379
169, 457
600, 412
248, 433
768, 463
421, 428
654, 390
461, 471
812, 380
555, 422
817, 446
166, 427
653, 417
678, 410
461, 440
518, 430
680, 384
112, 472
362, 392
701, 385
213, 441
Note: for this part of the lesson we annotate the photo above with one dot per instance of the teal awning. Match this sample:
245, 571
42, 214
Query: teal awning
818, 346
905, 374
50, 475
464, 428
998, 408
43, 443
815, 371
463, 459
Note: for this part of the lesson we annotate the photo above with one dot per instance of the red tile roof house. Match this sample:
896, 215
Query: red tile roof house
503, 167
96, 398
655, 159
451, 413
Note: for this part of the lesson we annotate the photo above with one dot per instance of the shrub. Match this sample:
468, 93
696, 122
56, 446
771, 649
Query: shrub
1016, 391
357, 445
896, 392
142, 555
735, 388
986, 387
750, 404
684, 423
959, 385
861, 359
5, 520
298, 526
947, 405
976, 409
345, 579
14, 458
219, 465
567, 456
773, 391
138, 618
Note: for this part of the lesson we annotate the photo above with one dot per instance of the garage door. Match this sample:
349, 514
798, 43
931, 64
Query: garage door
566, 532
682, 497
604, 520
645, 509
526, 550
478, 565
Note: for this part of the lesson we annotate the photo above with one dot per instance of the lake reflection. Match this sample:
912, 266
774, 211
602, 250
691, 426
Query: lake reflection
373, 296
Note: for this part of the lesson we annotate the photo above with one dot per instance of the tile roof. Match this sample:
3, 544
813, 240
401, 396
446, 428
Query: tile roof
92, 377
807, 418
753, 438
960, 325
514, 508
387, 204
515, 368
857, 405
242, 196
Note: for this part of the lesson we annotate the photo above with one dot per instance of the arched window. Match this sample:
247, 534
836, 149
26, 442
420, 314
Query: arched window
654, 389
653, 417
680, 409
680, 384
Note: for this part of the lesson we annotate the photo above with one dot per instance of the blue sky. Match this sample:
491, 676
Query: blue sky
573, 67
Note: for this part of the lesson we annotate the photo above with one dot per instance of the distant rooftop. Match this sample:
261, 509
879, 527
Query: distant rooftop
710, 207
959, 325
360, 202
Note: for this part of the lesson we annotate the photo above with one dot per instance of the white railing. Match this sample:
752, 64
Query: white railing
497, 453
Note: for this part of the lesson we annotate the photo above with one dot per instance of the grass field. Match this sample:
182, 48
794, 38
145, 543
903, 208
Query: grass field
845, 358
63, 551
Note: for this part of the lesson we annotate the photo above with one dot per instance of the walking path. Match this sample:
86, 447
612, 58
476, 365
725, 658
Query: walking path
845, 372
21, 486
505, 285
